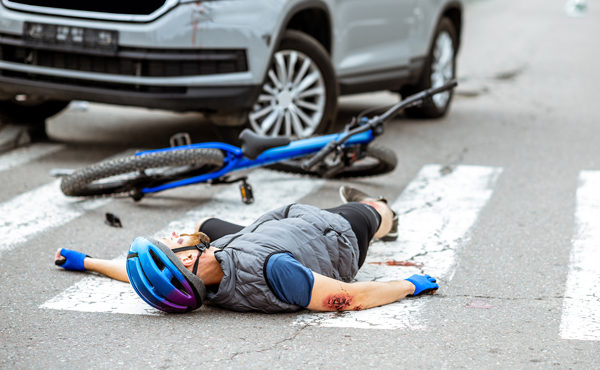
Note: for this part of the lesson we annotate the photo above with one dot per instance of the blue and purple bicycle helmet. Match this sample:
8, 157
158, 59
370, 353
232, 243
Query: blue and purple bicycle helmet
159, 277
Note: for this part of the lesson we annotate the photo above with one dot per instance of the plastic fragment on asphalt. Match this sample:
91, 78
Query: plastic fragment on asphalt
478, 303
112, 220
397, 263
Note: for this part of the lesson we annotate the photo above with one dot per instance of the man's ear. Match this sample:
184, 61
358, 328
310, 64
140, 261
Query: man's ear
187, 258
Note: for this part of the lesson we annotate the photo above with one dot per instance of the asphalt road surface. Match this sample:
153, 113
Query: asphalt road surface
500, 200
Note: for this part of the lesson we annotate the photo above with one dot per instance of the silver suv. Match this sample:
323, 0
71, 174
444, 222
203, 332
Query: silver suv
275, 65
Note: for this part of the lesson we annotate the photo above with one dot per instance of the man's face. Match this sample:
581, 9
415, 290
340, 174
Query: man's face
176, 241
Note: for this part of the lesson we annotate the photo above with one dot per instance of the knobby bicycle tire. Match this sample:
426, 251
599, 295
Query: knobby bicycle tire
177, 164
378, 161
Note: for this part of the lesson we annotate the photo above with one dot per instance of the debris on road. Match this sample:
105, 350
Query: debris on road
478, 303
112, 220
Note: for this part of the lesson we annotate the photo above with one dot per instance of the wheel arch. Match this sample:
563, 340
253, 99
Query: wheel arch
312, 18
454, 12
292, 21
297, 18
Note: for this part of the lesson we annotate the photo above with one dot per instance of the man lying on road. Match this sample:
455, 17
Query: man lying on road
297, 256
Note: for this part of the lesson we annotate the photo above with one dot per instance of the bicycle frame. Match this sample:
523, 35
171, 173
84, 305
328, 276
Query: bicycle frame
235, 159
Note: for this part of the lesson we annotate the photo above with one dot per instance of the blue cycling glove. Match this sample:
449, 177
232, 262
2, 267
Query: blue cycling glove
423, 284
73, 260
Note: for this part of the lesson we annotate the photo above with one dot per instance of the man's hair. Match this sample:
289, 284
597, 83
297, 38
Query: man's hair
197, 238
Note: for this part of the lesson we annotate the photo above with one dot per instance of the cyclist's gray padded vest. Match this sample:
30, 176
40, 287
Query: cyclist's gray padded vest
320, 240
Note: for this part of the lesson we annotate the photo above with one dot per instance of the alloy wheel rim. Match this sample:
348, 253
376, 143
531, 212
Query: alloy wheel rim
292, 100
442, 67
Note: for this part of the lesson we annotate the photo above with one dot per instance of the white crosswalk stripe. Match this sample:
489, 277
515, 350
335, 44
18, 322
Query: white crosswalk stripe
581, 305
24, 155
436, 211
39, 210
272, 189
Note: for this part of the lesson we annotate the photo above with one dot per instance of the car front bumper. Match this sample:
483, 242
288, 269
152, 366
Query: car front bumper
198, 56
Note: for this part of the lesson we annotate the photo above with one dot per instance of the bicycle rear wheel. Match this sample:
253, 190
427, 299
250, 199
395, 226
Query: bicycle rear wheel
377, 160
131, 173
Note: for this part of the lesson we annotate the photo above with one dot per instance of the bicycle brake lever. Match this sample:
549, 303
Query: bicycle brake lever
310, 163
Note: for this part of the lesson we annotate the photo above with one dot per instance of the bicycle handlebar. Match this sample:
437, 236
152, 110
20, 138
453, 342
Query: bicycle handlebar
373, 122
310, 163
416, 99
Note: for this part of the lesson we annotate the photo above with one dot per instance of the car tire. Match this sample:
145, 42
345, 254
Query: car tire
439, 68
306, 103
29, 113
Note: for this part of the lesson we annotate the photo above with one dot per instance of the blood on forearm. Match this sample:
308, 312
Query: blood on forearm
340, 302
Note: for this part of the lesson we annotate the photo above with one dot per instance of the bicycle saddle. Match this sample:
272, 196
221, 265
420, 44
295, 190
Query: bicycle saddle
254, 144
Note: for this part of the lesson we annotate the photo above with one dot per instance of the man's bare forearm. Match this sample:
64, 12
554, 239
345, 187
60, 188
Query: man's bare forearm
333, 295
375, 293
114, 269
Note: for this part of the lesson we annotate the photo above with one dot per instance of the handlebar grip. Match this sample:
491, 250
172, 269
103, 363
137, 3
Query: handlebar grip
308, 164
450, 85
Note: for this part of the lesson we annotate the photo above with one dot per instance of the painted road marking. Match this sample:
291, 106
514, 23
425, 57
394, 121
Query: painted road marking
21, 156
436, 211
39, 210
581, 305
271, 190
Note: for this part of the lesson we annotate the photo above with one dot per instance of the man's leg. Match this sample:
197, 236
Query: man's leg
388, 230
365, 222
386, 214
216, 228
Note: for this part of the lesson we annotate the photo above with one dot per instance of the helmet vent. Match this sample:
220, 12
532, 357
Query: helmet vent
177, 284
157, 261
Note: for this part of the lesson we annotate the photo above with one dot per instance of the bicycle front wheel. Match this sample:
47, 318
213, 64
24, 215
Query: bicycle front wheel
377, 160
131, 173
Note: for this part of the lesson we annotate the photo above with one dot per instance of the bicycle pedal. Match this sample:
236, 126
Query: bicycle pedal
246, 192
180, 139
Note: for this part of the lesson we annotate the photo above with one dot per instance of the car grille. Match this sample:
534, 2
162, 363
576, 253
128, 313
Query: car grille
148, 89
137, 62
145, 7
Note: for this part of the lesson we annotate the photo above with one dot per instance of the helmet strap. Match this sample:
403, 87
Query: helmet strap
200, 247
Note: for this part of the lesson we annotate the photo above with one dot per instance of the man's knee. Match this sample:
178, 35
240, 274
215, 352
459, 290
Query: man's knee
201, 222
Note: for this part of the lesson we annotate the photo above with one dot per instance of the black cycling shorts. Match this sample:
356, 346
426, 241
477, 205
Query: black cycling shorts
364, 221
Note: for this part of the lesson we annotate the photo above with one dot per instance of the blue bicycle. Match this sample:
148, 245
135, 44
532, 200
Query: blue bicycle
349, 153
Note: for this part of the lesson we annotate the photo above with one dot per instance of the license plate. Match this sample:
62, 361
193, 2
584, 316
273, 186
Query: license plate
70, 36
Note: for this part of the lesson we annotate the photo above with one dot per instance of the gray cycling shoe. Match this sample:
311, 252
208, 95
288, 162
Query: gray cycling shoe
350, 194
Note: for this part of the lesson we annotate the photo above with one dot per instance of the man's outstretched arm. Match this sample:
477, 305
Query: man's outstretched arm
114, 269
334, 295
